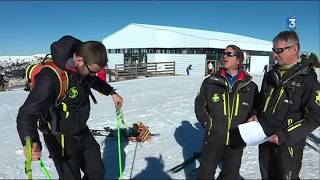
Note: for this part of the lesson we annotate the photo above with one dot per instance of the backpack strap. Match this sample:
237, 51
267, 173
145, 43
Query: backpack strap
62, 76
28, 70
34, 69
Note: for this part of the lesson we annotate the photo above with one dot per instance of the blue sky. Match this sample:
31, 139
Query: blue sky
28, 28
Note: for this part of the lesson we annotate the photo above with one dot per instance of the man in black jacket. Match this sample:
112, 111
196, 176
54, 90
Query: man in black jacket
226, 99
290, 109
72, 147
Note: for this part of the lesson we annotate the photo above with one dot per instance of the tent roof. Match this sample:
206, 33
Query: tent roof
154, 36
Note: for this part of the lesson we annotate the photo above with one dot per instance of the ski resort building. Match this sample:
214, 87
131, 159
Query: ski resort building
138, 44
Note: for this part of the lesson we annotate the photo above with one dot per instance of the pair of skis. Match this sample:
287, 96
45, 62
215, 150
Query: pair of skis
314, 140
181, 166
109, 132
106, 131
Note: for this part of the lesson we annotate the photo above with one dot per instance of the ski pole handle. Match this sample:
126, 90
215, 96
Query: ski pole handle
29, 157
120, 116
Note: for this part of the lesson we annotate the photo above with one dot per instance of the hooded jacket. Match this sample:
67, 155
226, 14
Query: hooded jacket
220, 107
290, 103
74, 110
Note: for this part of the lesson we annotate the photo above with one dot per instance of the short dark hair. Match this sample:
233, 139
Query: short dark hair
237, 51
287, 36
93, 52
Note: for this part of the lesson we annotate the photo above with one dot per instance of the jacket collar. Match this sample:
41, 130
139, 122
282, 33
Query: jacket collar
241, 74
219, 78
302, 67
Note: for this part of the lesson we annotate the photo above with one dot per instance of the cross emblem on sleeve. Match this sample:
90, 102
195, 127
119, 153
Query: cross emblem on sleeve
215, 98
318, 97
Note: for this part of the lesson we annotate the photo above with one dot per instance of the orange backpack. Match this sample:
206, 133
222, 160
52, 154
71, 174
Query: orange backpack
140, 133
34, 69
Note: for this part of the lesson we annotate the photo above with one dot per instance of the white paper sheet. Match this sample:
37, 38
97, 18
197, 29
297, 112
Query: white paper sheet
252, 133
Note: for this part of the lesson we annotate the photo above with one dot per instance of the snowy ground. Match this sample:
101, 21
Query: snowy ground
165, 104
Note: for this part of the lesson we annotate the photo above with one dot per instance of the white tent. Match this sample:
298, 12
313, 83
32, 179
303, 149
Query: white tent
154, 36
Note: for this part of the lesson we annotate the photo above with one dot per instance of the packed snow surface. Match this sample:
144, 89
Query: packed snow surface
165, 105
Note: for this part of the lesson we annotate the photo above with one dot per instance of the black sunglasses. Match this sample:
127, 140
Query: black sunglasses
90, 71
280, 50
229, 54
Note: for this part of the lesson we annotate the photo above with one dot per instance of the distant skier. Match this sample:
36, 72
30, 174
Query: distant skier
210, 68
188, 69
2, 81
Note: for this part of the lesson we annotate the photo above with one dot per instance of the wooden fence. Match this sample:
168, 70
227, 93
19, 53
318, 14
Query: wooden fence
124, 72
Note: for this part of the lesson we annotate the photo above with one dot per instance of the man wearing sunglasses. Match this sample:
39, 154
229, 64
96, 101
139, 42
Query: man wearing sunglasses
226, 99
73, 149
289, 109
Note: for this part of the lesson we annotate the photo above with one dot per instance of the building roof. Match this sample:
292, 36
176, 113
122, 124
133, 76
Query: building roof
154, 36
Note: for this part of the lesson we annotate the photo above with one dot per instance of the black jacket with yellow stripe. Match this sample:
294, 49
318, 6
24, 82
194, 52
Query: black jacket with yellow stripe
220, 107
290, 103
74, 110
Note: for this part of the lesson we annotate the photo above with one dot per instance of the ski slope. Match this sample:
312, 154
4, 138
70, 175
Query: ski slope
166, 105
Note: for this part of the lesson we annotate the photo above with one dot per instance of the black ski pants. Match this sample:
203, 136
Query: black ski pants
80, 153
212, 153
280, 162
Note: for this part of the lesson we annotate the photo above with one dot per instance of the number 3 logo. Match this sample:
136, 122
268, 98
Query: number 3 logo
292, 22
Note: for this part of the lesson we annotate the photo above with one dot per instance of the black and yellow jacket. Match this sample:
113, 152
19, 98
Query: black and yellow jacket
221, 107
290, 103
74, 110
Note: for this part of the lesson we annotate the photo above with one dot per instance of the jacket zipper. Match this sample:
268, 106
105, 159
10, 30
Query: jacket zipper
280, 95
229, 118
230, 114
210, 119
224, 104
210, 125
268, 99
237, 105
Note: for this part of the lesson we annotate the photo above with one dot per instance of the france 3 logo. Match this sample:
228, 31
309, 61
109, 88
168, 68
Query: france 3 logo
291, 22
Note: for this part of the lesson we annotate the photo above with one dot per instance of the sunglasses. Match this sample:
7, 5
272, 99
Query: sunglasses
280, 50
229, 54
90, 71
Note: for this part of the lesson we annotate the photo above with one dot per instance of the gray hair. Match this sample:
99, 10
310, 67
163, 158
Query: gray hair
290, 37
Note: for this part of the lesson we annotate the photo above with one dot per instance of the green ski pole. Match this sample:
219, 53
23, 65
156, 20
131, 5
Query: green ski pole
44, 169
29, 157
118, 112
123, 120
28, 162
